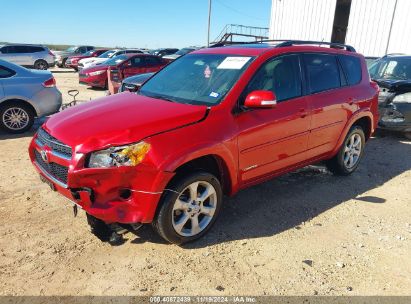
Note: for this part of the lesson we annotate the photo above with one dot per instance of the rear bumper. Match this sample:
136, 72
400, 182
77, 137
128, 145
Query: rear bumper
99, 191
47, 101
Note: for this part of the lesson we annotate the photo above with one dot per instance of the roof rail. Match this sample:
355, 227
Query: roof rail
348, 48
285, 43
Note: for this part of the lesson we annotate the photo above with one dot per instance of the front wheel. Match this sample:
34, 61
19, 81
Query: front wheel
189, 208
350, 153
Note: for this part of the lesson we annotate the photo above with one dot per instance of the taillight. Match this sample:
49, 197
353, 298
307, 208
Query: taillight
49, 83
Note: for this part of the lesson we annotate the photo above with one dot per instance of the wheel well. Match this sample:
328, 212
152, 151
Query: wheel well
365, 124
210, 163
19, 101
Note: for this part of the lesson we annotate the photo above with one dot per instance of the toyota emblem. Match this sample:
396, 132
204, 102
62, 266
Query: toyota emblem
44, 156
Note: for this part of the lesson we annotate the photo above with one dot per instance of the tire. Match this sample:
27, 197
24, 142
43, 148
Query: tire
349, 156
41, 65
178, 214
63, 63
407, 135
16, 117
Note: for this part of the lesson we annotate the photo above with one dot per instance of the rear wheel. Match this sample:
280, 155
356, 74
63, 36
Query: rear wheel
16, 117
41, 65
190, 208
350, 153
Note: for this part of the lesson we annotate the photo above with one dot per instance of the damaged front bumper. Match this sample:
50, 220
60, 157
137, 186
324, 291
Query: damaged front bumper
126, 195
395, 117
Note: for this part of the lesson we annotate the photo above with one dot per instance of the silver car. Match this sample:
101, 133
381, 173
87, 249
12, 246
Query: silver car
29, 55
24, 95
62, 56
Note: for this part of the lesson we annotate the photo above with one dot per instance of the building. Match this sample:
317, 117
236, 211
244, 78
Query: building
373, 27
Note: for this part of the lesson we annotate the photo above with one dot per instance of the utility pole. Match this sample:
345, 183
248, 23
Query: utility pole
392, 22
209, 22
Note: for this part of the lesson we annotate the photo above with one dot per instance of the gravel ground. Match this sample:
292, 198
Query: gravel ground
305, 233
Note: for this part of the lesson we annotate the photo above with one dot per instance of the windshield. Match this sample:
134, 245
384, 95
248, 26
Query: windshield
391, 68
184, 51
115, 60
71, 49
202, 79
107, 54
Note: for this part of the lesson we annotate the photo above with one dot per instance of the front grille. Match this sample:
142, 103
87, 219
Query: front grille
54, 144
59, 172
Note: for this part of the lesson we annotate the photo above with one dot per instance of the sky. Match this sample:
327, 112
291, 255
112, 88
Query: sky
128, 23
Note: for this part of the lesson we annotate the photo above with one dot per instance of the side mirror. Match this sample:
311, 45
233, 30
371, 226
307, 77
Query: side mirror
260, 99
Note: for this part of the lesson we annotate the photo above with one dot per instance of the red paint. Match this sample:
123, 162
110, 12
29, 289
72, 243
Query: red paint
126, 69
77, 58
252, 145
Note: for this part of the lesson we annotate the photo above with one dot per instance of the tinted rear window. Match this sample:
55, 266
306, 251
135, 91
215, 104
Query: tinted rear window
352, 68
323, 72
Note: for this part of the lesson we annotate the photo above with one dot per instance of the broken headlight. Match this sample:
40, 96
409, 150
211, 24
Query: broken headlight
403, 98
130, 155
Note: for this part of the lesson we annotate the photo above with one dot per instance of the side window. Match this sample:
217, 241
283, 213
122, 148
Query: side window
322, 72
5, 72
281, 75
352, 68
136, 62
9, 50
21, 49
152, 61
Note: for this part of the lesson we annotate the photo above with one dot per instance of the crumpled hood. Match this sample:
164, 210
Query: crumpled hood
119, 119
394, 85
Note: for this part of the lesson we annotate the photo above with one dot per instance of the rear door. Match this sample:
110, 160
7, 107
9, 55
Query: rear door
153, 64
133, 66
273, 139
327, 97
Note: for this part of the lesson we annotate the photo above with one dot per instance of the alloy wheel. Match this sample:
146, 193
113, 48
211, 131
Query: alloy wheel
194, 208
352, 151
15, 118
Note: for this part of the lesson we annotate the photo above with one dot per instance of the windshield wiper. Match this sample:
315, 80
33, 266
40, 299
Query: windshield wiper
158, 96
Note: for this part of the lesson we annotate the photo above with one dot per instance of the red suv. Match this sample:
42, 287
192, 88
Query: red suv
139, 64
209, 124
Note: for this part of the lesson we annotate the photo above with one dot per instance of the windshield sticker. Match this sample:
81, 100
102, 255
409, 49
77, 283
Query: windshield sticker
214, 94
207, 72
233, 63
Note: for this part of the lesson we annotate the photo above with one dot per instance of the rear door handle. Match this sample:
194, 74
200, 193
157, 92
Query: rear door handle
303, 113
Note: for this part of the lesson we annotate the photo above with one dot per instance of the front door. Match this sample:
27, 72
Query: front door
273, 139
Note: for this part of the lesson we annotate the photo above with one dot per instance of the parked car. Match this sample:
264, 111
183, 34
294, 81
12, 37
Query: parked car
96, 76
369, 60
393, 75
89, 62
24, 95
179, 53
133, 83
137, 64
163, 52
72, 61
28, 55
61, 56
209, 124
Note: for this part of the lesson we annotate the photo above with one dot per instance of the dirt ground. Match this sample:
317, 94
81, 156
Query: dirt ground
305, 233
